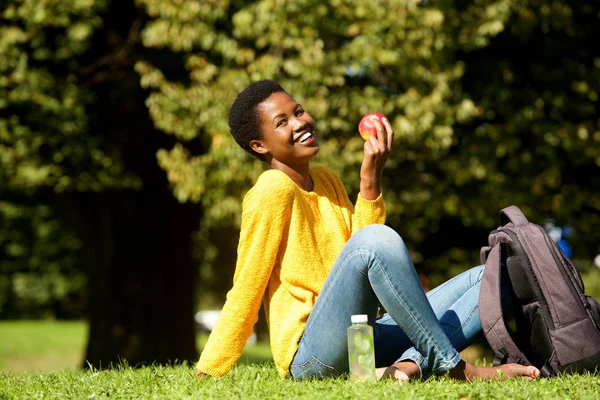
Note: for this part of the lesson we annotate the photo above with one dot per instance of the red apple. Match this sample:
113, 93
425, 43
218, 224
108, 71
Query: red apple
366, 127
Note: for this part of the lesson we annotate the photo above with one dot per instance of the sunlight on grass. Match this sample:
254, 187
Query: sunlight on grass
48, 346
40, 360
41, 345
260, 381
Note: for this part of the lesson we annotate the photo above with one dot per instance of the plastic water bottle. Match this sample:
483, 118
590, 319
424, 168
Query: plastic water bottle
361, 354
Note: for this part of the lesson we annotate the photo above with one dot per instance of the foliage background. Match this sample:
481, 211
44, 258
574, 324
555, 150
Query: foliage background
493, 103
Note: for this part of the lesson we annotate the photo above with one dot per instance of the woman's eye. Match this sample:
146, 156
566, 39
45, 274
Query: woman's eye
281, 122
299, 112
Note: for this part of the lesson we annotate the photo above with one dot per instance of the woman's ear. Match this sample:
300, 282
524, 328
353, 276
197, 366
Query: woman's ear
258, 147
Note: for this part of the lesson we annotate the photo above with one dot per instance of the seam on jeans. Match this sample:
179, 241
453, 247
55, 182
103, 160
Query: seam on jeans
312, 360
479, 276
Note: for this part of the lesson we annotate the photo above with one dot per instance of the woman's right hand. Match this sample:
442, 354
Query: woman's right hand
377, 150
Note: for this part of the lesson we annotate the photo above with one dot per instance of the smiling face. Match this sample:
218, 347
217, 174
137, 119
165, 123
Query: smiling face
287, 132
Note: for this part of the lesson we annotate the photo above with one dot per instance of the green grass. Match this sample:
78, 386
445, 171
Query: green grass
260, 381
41, 359
51, 346
41, 345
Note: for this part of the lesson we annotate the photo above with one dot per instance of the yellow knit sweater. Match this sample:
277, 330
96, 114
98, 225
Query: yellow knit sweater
289, 241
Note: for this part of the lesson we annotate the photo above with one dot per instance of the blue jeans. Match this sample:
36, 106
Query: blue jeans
375, 268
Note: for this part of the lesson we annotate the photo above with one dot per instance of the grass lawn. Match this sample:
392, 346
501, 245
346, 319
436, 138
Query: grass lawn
40, 360
52, 346
41, 345
260, 381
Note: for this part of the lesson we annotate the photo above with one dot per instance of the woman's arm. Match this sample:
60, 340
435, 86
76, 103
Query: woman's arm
264, 219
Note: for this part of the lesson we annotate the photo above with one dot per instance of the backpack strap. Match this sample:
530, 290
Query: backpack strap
483, 253
512, 214
492, 321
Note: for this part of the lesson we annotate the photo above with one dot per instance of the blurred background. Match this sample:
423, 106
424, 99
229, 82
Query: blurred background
121, 188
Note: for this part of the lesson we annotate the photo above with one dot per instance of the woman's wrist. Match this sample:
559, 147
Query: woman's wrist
370, 189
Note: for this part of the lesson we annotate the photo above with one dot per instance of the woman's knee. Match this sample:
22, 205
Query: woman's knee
379, 234
383, 240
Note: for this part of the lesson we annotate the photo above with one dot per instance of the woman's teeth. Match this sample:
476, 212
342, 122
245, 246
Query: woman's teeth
305, 137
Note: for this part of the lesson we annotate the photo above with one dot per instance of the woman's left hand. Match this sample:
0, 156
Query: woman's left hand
377, 150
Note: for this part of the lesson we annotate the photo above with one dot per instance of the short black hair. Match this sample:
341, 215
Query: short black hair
244, 123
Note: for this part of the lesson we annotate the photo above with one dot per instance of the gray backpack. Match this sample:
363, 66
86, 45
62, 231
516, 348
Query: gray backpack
553, 325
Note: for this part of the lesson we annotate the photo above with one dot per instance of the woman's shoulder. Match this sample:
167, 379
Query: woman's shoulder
273, 188
274, 180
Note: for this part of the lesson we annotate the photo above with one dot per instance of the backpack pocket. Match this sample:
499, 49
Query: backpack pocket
576, 342
540, 347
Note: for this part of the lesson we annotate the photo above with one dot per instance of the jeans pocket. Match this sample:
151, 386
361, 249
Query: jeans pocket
313, 369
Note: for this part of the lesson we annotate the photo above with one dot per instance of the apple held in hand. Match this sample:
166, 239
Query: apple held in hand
366, 127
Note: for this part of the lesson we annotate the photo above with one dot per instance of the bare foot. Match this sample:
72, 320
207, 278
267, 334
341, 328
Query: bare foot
467, 372
400, 371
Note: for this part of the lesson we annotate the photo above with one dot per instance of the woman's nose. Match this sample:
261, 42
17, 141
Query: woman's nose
298, 123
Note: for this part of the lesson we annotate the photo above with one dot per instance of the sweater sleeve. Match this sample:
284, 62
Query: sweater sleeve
367, 212
265, 216
364, 212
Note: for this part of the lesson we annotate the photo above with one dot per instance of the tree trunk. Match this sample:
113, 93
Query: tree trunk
141, 278
137, 251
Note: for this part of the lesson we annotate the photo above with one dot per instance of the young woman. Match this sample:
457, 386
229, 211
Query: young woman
315, 259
